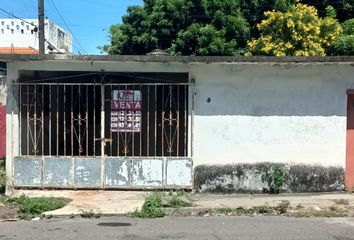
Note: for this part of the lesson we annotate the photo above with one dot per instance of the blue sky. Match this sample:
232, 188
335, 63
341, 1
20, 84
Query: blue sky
89, 20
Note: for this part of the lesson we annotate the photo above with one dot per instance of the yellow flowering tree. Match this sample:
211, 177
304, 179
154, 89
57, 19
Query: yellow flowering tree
296, 32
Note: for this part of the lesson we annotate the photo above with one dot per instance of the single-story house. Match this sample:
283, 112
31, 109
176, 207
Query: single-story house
209, 123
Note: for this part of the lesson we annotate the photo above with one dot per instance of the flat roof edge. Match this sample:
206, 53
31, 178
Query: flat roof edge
181, 59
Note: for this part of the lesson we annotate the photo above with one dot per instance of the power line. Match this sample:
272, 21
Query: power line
67, 26
14, 16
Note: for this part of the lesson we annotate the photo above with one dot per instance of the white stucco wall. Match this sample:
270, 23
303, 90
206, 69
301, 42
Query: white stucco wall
264, 112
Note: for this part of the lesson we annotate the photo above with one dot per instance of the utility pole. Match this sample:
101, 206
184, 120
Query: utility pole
41, 26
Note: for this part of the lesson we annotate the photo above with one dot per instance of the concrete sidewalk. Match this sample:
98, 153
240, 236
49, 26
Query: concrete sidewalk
122, 202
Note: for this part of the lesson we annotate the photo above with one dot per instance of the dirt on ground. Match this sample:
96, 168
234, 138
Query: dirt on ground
7, 211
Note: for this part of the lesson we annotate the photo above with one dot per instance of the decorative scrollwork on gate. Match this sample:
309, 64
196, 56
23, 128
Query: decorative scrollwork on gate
170, 120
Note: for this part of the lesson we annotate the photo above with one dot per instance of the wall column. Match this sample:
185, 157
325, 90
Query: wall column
349, 171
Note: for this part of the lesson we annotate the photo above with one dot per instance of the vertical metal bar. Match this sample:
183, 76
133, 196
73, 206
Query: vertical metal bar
50, 120
155, 120
170, 122
20, 117
147, 124
118, 133
162, 120
57, 116
192, 122
87, 122
72, 121
94, 120
110, 132
35, 144
64, 116
103, 142
177, 124
28, 121
132, 122
185, 145
42, 117
79, 122
125, 135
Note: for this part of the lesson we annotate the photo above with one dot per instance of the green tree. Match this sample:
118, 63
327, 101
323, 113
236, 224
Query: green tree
296, 32
344, 44
171, 24
343, 8
203, 40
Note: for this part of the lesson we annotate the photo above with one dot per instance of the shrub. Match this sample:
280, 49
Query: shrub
152, 207
29, 207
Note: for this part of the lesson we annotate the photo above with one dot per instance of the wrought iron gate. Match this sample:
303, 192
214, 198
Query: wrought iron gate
103, 135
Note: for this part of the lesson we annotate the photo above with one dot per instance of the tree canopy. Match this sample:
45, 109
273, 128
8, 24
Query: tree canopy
222, 27
297, 32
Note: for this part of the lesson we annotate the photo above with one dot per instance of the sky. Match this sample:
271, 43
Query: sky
88, 20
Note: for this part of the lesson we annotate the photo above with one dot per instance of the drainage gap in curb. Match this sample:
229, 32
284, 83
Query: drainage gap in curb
114, 224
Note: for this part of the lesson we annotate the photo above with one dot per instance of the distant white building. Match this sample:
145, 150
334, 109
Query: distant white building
16, 33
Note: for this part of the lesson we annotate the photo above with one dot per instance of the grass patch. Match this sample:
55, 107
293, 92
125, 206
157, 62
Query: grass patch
156, 201
31, 207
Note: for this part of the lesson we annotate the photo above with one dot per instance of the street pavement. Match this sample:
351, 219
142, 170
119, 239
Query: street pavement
196, 228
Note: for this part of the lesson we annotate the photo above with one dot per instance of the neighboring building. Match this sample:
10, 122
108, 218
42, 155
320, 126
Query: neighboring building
124, 122
15, 33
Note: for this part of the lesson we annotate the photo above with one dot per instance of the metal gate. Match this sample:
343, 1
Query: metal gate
104, 135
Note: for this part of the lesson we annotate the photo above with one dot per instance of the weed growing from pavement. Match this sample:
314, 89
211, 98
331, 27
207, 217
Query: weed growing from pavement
31, 207
152, 207
156, 201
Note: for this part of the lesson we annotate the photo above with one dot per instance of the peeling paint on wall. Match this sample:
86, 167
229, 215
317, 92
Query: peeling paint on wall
147, 172
178, 172
87, 172
67, 172
117, 172
27, 171
57, 172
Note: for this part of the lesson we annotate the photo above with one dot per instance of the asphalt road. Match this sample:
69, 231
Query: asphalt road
195, 228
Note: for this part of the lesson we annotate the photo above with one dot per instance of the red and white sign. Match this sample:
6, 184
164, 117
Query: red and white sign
126, 111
